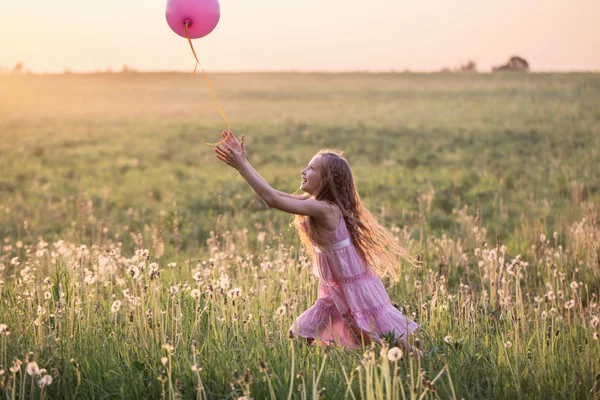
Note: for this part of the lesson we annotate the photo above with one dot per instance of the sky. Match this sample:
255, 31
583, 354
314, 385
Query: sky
303, 35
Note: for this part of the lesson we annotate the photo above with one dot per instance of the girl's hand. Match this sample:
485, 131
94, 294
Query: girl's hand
230, 155
231, 140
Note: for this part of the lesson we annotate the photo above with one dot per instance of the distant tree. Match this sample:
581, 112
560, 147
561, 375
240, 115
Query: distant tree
470, 66
515, 63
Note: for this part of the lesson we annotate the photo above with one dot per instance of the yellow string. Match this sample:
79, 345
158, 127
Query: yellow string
209, 87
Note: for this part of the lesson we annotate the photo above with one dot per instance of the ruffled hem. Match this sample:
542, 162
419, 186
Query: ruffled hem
323, 321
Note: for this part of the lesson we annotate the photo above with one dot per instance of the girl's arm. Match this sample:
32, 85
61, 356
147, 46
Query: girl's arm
271, 197
268, 195
232, 141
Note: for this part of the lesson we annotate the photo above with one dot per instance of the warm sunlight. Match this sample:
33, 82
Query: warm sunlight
304, 35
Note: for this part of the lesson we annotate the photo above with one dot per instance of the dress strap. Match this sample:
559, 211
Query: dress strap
335, 246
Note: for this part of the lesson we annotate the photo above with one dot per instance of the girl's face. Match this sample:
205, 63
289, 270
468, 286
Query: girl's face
311, 176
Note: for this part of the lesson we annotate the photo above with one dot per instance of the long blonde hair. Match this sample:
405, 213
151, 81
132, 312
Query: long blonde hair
372, 240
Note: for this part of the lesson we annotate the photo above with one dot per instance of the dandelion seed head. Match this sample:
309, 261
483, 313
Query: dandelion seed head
168, 347
394, 354
196, 368
570, 304
32, 368
116, 306
133, 271
45, 381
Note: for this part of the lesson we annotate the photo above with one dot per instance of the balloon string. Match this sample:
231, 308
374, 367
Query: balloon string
209, 87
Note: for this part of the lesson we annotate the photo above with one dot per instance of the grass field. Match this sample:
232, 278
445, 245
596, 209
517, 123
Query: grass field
126, 241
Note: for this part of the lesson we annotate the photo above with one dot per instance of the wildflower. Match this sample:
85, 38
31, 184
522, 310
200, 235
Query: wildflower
195, 293
555, 235
133, 271
89, 279
46, 380
448, 339
224, 281
281, 311
164, 361
394, 354
32, 368
15, 261
168, 347
116, 306
16, 365
570, 304
235, 292
261, 237
196, 368
508, 344
594, 322
4, 330
542, 238
172, 265
544, 314
198, 277
538, 299
574, 285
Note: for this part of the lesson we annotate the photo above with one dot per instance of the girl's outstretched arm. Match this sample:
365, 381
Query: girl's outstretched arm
233, 142
268, 195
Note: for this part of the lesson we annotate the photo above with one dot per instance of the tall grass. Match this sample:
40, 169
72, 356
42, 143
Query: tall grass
134, 266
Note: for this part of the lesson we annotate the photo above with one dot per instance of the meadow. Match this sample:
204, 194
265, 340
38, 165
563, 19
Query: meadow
135, 265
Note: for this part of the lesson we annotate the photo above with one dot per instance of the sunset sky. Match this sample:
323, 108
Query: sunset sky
304, 35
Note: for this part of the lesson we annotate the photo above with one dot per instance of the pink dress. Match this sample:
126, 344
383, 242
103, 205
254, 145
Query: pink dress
352, 300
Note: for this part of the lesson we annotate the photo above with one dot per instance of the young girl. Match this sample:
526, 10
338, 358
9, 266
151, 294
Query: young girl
347, 244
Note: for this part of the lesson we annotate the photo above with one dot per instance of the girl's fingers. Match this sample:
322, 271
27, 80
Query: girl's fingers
220, 150
228, 147
226, 161
221, 153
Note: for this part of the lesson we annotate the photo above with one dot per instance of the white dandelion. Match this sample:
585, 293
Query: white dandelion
394, 354
116, 306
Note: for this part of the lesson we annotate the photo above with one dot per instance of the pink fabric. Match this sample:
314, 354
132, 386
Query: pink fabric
352, 300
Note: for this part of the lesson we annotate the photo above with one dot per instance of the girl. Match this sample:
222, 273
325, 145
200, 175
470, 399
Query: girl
347, 244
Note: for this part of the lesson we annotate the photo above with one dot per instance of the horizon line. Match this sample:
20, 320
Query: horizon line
132, 70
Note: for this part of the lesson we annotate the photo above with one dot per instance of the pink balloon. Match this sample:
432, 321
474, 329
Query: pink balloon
202, 16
